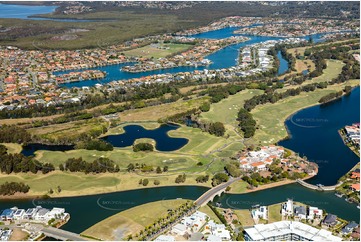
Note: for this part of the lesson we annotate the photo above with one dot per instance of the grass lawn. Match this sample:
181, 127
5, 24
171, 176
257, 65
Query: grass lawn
238, 187
274, 213
150, 51
77, 184
13, 148
226, 110
131, 221
207, 210
333, 69
271, 117
244, 216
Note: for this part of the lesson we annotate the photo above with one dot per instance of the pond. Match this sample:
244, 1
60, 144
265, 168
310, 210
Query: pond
163, 141
132, 132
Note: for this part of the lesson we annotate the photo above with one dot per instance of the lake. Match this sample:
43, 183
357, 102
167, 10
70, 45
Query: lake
160, 135
163, 142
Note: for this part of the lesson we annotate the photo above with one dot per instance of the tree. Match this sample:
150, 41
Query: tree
156, 182
159, 170
143, 147
145, 182
165, 168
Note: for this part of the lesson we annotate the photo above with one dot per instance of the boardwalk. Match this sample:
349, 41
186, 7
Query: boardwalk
212, 193
318, 187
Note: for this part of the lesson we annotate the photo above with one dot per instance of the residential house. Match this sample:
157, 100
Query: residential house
179, 229
301, 212
330, 220
349, 228
314, 212
287, 208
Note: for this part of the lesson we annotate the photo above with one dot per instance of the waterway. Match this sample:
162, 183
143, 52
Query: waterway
283, 67
223, 58
23, 11
314, 134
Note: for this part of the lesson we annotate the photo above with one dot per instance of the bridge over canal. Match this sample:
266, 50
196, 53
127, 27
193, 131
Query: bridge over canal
60, 234
209, 195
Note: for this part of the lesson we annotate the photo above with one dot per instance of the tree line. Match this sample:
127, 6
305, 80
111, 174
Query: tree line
10, 188
99, 165
20, 163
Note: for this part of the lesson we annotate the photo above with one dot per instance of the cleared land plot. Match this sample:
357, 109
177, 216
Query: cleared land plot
271, 117
158, 51
131, 221
244, 216
274, 213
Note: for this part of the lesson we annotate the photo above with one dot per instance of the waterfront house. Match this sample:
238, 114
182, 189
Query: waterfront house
18, 214
330, 220
260, 212
287, 208
42, 214
349, 227
30, 213
300, 212
7, 214
314, 212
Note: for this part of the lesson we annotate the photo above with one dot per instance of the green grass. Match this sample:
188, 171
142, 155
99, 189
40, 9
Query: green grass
13, 148
333, 69
270, 117
207, 210
132, 220
68, 182
226, 110
244, 216
274, 213
238, 187
151, 51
